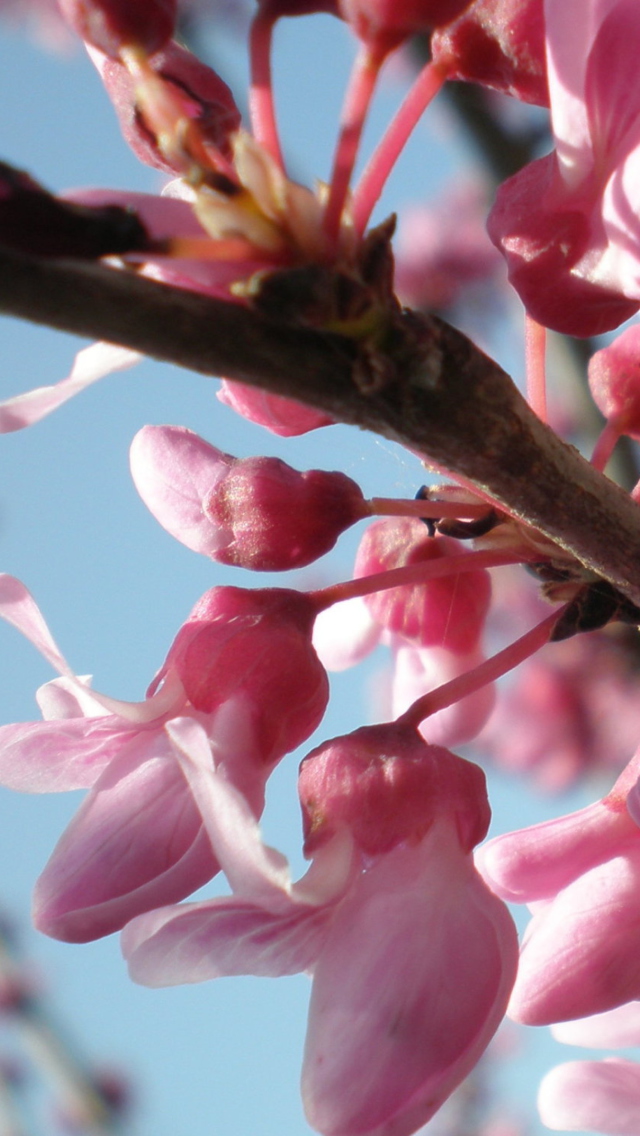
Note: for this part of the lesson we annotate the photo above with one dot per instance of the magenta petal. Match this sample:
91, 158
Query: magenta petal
136, 843
200, 941
600, 1096
91, 364
412, 983
283, 416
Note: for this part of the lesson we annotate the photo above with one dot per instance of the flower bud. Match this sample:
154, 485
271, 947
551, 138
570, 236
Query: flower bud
446, 611
614, 381
111, 25
387, 786
254, 645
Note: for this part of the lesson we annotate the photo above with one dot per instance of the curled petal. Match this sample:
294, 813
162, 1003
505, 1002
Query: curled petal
200, 941
91, 364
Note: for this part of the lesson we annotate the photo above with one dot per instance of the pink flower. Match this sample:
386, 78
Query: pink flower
614, 381
243, 667
256, 513
412, 957
567, 223
580, 874
113, 24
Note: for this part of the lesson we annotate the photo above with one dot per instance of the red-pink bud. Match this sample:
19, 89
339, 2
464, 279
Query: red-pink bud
387, 785
207, 101
254, 645
385, 23
278, 518
614, 381
111, 25
447, 611
500, 44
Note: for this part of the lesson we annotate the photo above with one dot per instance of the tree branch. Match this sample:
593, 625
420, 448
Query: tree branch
436, 393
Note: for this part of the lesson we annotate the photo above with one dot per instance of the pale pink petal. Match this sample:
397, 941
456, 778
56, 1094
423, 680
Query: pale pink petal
614, 1029
344, 634
18, 607
136, 843
91, 364
600, 1096
200, 941
411, 985
174, 470
417, 671
66, 698
56, 756
255, 871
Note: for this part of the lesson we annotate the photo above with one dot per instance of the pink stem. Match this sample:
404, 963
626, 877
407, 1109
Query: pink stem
261, 104
605, 445
411, 574
362, 82
477, 677
535, 342
386, 154
400, 507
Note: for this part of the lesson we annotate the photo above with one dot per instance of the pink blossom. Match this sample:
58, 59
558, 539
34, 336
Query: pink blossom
580, 874
282, 416
600, 1096
412, 958
256, 513
242, 667
567, 223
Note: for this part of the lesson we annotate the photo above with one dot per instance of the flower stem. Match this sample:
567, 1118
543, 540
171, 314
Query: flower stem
261, 103
477, 677
605, 445
361, 86
535, 342
400, 507
410, 574
386, 154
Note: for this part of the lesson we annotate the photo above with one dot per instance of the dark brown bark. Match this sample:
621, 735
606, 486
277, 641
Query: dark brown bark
434, 391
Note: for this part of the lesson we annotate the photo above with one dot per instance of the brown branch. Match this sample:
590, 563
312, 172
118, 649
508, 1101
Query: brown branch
437, 393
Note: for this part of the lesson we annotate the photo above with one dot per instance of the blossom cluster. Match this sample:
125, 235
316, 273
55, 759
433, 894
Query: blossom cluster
401, 919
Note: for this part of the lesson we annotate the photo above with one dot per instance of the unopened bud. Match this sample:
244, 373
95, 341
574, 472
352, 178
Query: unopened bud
614, 381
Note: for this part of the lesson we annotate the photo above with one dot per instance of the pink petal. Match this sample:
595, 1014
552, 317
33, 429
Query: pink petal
601, 1096
200, 941
411, 984
535, 863
137, 842
255, 871
91, 364
174, 470
580, 952
283, 416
